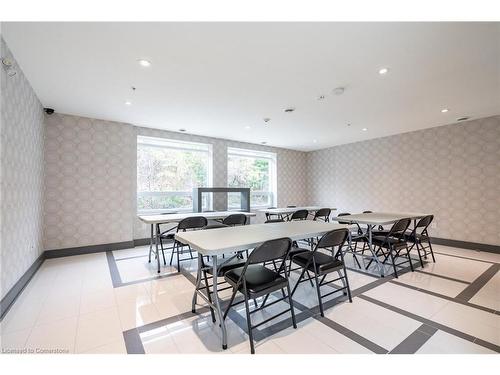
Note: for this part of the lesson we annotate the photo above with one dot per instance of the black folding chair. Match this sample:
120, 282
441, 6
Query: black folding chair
189, 223
235, 219
205, 268
254, 280
323, 263
322, 214
355, 237
418, 236
391, 245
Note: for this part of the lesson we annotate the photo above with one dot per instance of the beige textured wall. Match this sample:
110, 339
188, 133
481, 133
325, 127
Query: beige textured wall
90, 180
21, 197
451, 171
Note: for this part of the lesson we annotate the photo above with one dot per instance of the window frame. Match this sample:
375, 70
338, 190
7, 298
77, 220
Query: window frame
179, 145
273, 172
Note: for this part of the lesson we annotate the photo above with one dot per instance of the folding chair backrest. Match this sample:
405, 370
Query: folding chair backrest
215, 226
192, 222
399, 228
235, 219
270, 250
334, 238
299, 215
323, 213
274, 221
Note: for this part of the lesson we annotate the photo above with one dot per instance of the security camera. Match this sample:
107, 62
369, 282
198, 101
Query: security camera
49, 111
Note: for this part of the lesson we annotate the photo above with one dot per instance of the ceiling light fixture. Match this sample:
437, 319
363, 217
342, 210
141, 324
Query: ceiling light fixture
465, 118
288, 110
263, 143
267, 119
182, 130
144, 63
364, 129
128, 103
248, 127
444, 110
383, 71
315, 141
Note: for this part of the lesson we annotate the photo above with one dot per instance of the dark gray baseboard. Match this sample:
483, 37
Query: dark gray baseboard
466, 245
88, 249
18, 287
142, 241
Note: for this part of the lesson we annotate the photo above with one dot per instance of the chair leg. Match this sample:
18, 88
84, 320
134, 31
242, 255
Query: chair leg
230, 303
174, 249
419, 254
163, 252
347, 285
249, 323
432, 252
298, 281
319, 295
190, 252
290, 301
310, 278
209, 295
409, 258
393, 263
178, 260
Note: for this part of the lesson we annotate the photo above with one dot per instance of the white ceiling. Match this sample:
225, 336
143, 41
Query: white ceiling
215, 79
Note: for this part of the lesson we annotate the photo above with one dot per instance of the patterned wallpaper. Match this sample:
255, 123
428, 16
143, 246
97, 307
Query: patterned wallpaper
21, 151
451, 171
90, 179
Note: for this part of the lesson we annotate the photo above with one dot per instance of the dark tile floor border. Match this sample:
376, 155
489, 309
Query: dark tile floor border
468, 258
469, 292
415, 341
436, 325
443, 277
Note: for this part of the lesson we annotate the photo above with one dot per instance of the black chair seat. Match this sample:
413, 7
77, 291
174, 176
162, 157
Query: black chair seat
296, 250
325, 263
258, 279
358, 237
227, 266
420, 237
385, 242
168, 236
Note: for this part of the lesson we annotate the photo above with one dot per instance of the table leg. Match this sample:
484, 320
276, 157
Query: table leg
151, 243
157, 241
216, 302
370, 247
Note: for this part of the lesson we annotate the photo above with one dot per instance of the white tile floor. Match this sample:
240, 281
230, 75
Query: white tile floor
71, 305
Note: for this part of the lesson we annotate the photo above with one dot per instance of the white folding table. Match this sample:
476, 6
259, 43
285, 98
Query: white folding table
290, 210
216, 242
153, 220
374, 219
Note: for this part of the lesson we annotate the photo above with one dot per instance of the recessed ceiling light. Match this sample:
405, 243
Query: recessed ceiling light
267, 119
263, 143
182, 130
248, 127
315, 141
128, 103
364, 129
144, 63
383, 71
444, 110
288, 110
349, 124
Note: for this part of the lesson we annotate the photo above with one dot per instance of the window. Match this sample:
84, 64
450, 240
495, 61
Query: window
253, 169
168, 170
